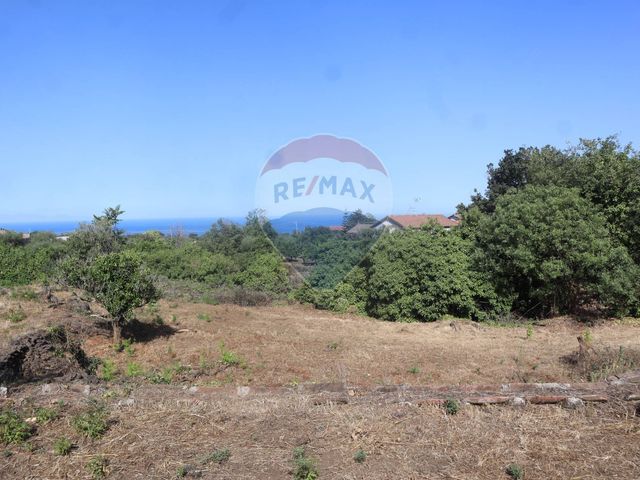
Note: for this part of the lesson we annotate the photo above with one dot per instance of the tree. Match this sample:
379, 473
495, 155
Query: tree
120, 283
96, 264
423, 274
99, 237
552, 249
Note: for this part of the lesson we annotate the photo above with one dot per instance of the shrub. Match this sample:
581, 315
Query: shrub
264, 273
218, 456
133, 370
451, 406
305, 467
62, 446
227, 357
423, 275
93, 423
515, 471
360, 456
13, 429
15, 315
44, 415
109, 370
97, 467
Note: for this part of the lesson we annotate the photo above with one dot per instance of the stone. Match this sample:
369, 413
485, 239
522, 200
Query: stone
518, 402
243, 391
127, 402
4, 392
573, 403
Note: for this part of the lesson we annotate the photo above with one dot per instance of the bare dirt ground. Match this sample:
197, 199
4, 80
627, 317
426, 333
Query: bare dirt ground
164, 431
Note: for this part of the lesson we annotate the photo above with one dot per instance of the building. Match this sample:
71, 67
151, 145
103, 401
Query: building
401, 222
359, 228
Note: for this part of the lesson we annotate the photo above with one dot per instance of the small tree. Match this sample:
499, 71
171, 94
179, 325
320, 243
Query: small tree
120, 283
96, 264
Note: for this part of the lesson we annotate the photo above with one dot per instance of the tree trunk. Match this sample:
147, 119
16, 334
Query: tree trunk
117, 331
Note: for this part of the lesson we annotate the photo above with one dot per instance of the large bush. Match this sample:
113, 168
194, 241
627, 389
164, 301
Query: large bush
552, 249
423, 275
34, 261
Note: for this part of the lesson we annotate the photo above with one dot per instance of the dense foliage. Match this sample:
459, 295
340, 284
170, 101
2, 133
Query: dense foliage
555, 231
551, 249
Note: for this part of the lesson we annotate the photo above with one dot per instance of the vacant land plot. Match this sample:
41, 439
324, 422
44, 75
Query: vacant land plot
174, 404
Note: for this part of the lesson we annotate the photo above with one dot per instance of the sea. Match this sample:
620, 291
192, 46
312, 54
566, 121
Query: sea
296, 221
130, 226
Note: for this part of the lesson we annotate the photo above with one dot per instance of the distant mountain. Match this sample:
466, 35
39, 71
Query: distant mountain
316, 217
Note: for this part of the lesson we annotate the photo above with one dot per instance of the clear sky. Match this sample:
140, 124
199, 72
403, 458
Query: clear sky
171, 108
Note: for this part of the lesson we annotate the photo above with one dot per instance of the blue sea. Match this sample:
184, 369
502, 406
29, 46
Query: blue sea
131, 227
294, 221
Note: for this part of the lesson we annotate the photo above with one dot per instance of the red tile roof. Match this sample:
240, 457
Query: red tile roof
417, 221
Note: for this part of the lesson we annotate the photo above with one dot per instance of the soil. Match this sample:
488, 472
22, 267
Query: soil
261, 381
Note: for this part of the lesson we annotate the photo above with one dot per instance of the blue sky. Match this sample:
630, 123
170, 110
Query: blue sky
172, 108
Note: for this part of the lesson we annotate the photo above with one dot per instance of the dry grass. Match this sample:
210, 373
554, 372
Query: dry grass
289, 344
167, 429
153, 439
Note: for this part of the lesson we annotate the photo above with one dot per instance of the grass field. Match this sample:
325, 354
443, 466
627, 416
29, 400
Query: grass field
173, 407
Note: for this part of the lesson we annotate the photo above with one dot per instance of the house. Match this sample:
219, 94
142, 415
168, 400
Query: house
336, 228
359, 228
401, 222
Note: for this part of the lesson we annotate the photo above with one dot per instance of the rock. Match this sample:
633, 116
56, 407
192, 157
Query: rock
573, 403
243, 391
4, 392
518, 402
192, 390
127, 402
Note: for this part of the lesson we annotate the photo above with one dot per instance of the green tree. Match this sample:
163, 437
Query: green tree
552, 249
120, 283
423, 274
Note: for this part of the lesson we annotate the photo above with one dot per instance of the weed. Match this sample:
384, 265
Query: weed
56, 331
44, 415
109, 370
181, 471
515, 471
227, 357
125, 345
209, 300
205, 317
13, 429
24, 294
218, 456
451, 406
609, 363
588, 337
203, 362
305, 467
360, 456
529, 331
97, 466
174, 319
332, 346
164, 376
133, 370
62, 446
15, 315
93, 423
414, 370
158, 320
